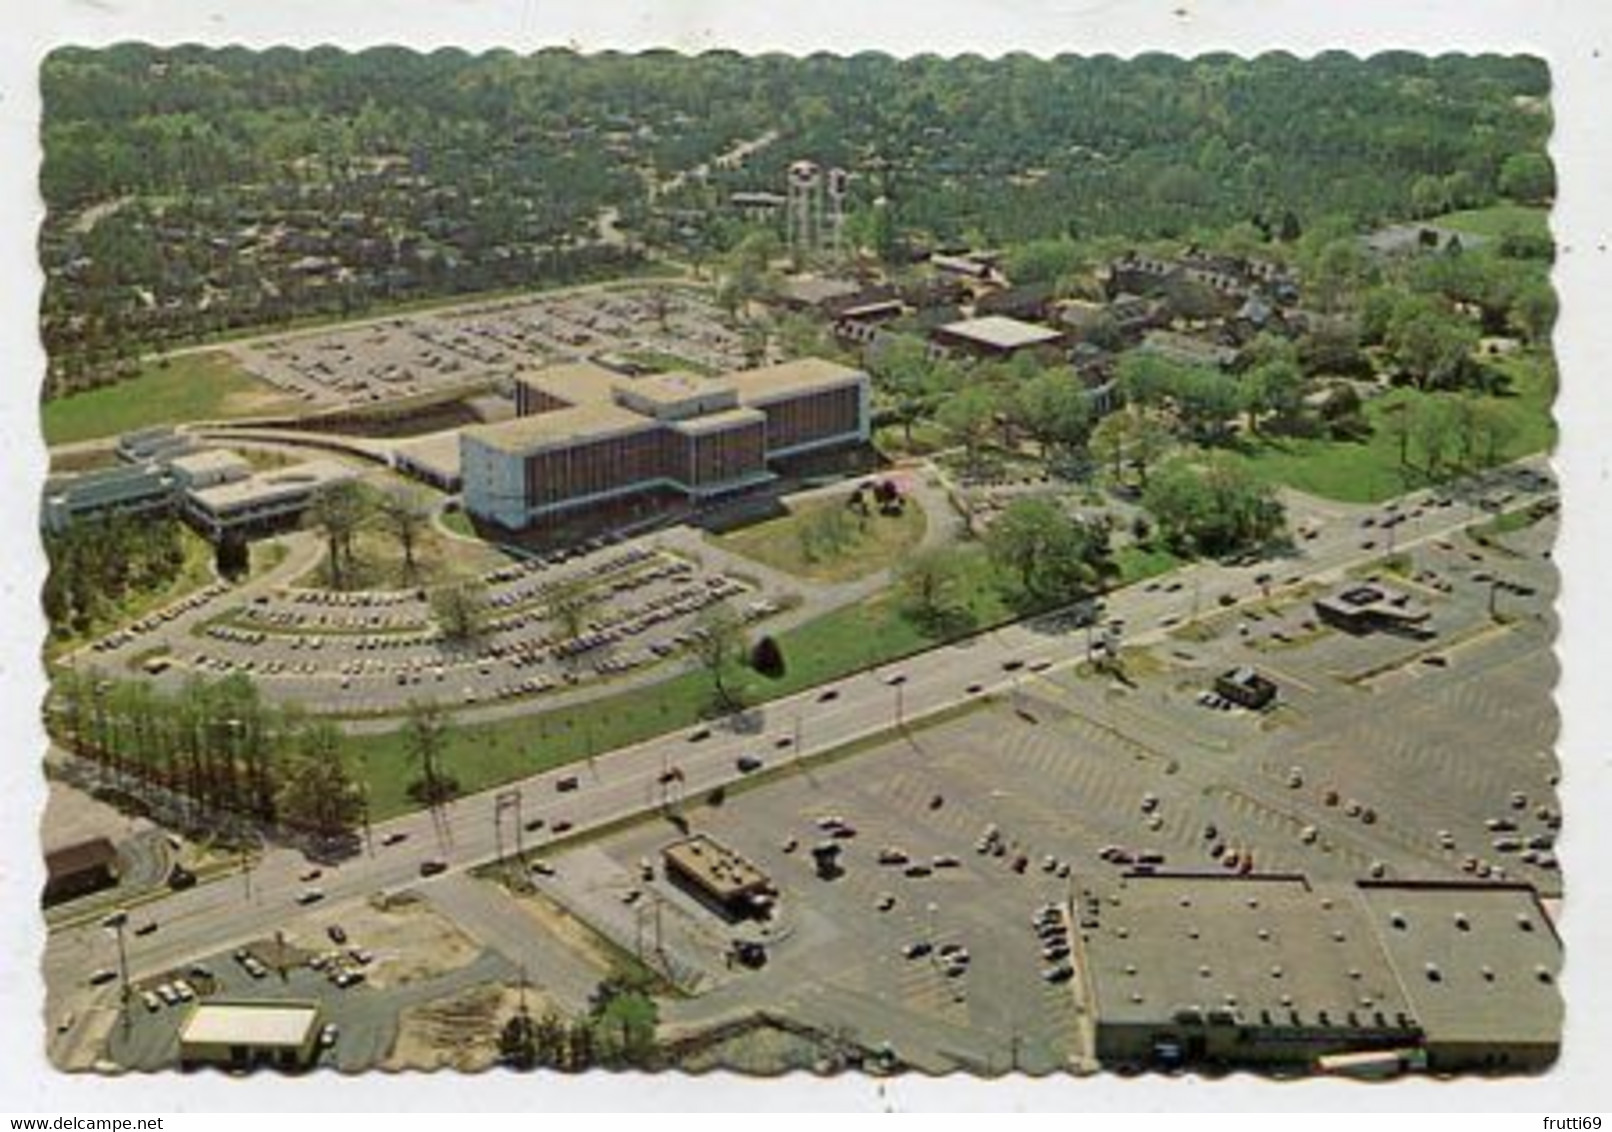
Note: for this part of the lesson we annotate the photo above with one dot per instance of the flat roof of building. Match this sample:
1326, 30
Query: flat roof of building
1268, 950
716, 868
210, 460
1000, 332
92, 853
1478, 961
1361, 599
265, 1023
718, 421
596, 420
757, 386
436, 452
267, 487
575, 382
594, 411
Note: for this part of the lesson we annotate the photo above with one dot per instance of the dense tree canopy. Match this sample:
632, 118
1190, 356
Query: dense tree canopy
193, 190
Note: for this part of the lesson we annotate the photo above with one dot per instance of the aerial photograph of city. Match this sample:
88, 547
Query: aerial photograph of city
831, 563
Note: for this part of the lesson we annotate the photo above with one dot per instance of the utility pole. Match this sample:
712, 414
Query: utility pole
116, 922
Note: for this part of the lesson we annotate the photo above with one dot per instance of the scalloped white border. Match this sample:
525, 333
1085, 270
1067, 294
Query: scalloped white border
1572, 36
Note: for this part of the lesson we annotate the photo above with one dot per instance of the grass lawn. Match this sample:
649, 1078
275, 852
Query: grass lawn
787, 543
459, 523
1369, 471
1138, 563
838, 643
1499, 219
189, 387
379, 561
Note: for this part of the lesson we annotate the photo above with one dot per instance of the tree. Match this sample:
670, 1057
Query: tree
1533, 310
969, 419
1434, 426
1528, 177
1274, 388
405, 511
931, 586
719, 643
339, 510
1054, 409
1052, 557
767, 658
1205, 402
316, 792
1430, 343
518, 1043
571, 603
425, 739
460, 608
624, 1018
1133, 437
1211, 505
903, 373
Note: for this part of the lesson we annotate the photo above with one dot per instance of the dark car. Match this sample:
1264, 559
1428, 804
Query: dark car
337, 933
180, 878
567, 784
748, 763
432, 867
396, 838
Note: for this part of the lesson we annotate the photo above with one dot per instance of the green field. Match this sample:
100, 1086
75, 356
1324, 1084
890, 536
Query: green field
1369, 471
186, 388
1498, 220
875, 542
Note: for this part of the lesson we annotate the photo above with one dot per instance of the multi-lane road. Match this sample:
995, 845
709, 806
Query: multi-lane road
632, 781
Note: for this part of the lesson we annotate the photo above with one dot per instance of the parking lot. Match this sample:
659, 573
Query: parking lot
377, 650
420, 353
386, 963
1394, 756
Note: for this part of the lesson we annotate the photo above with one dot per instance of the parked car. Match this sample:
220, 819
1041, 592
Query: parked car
433, 866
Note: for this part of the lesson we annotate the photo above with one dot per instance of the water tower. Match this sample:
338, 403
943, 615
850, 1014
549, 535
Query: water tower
804, 208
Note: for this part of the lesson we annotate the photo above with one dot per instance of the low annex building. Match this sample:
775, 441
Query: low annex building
997, 336
80, 868
1364, 607
1274, 972
718, 876
244, 1034
262, 503
584, 434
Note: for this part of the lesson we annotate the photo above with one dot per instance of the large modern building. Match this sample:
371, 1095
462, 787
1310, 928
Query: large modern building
584, 435
1274, 972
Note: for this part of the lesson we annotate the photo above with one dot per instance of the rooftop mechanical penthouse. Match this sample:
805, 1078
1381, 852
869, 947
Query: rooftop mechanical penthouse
584, 434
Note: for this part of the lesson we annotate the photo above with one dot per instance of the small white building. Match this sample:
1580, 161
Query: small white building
244, 1034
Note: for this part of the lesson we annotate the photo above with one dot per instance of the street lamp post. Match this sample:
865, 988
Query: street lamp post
116, 922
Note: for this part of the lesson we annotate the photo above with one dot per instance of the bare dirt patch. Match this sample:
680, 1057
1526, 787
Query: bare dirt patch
459, 1031
411, 941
